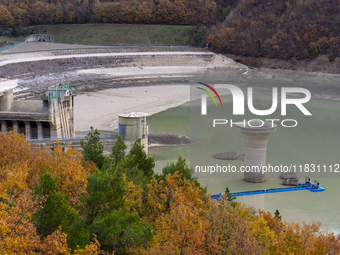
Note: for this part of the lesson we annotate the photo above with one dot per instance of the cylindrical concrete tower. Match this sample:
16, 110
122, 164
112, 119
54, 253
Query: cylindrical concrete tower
6, 100
131, 126
255, 135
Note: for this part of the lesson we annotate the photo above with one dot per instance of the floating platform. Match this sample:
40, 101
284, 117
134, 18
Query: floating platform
291, 182
288, 175
303, 186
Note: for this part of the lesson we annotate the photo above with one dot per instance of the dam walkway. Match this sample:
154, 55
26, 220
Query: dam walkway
73, 141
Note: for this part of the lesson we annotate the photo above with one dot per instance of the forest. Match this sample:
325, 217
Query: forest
35, 12
300, 29
60, 202
291, 29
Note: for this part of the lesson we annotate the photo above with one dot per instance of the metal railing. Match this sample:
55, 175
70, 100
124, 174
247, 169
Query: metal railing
8, 47
54, 92
66, 139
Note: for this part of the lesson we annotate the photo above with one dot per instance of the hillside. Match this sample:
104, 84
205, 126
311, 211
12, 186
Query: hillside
297, 29
293, 30
111, 34
172, 12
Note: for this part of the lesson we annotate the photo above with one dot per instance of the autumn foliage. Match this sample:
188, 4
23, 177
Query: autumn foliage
297, 29
21, 165
52, 202
39, 12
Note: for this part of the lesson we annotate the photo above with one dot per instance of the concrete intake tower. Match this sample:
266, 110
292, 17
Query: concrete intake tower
255, 135
133, 126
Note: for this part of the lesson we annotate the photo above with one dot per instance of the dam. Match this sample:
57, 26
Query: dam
50, 117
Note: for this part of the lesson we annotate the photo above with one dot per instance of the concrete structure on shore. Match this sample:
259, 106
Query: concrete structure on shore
39, 38
255, 135
133, 126
51, 117
46, 121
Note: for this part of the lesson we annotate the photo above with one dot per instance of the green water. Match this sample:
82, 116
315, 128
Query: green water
315, 140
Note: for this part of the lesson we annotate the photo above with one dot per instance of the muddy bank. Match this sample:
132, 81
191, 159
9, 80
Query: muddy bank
163, 139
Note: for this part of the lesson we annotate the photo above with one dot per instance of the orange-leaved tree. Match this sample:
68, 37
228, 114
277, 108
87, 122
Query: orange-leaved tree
177, 206
18, 234
17, 153
294, 238
67, 167
6, 18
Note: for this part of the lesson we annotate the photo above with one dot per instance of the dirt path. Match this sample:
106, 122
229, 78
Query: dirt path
99, 55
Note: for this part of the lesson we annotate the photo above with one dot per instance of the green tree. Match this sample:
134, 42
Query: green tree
93, 149
181, 167
137, 176
228, 195
14, 32
118, 151
138, 157
79, 234
106, 192
54, 209
226, 11
278, 215
120, 230
230, 198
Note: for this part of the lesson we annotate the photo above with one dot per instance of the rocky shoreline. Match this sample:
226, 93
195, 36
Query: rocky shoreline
165, 139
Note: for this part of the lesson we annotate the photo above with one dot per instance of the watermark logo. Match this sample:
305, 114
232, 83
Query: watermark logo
239, 101
204, 97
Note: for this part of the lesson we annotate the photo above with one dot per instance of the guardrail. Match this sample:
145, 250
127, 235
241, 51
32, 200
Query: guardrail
78, 138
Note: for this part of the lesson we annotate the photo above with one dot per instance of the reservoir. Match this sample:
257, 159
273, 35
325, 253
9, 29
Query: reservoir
315, 140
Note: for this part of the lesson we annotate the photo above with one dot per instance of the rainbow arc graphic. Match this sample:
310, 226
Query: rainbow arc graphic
209, 93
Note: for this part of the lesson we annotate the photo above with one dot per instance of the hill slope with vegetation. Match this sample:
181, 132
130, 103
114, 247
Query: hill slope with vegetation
42, 12
110, 34
298, 29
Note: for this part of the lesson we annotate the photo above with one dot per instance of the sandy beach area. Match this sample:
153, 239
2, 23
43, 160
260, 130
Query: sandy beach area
100, 109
